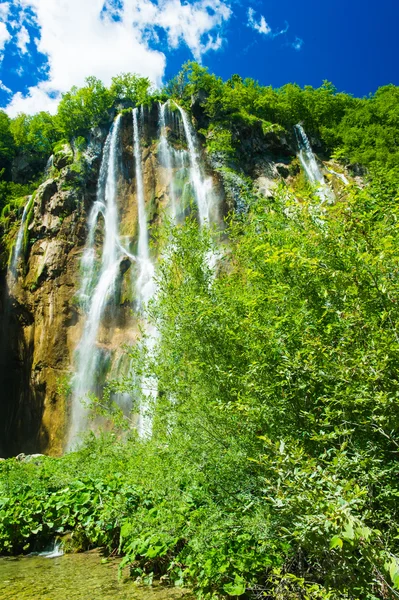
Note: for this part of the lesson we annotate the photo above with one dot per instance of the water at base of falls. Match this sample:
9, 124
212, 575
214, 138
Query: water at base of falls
80, 576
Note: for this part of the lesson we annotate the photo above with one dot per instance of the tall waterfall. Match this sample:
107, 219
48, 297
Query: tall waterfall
96, 295
166, 158
145, 280
20, 237
145, 284
101, 268
202, 186
310, 166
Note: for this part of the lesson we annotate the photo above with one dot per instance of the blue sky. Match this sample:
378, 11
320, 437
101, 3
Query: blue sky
47, 46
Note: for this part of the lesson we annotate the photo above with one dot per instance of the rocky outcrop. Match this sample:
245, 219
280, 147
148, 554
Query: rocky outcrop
39, 318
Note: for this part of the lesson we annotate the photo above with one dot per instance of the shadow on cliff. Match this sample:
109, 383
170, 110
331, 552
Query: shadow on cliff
21, 404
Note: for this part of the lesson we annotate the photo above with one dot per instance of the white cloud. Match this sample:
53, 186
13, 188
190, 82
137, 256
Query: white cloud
37, 99
23, 39
4, 10
4, 35
297, 44
260, 26
88, 37
4, 88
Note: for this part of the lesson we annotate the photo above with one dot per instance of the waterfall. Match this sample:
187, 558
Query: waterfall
166, 158
310, 166
101, 267
145, 280
95, 300
340, 176
145, 284
20, 237
49, 165
202, 187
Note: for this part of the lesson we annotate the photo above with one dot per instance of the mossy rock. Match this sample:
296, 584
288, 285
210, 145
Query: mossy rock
63, 155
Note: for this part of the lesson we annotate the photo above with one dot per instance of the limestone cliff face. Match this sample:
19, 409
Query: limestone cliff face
40, 314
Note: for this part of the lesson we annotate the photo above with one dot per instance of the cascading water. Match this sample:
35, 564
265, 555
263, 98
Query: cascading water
310, 166
100, 269
145, 280
340, 176
95, 296
172, 160
166, 159
202, 186
145, 284
18, 244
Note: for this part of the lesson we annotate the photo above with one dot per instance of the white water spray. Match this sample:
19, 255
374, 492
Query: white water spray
310, 166
95, 300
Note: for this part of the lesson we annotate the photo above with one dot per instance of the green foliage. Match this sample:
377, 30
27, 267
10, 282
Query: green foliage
83, 108
130, 87
272, 469
7, 144
356, 130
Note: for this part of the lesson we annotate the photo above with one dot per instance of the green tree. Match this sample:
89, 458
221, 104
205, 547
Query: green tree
81, 109
128, 86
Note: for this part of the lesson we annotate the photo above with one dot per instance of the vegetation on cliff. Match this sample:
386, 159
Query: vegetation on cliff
272, 471
355, 130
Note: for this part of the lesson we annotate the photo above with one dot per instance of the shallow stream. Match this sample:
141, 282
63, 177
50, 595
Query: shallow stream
73, 577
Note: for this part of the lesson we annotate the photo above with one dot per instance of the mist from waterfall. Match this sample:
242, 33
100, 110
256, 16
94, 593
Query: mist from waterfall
310, 165
96, 292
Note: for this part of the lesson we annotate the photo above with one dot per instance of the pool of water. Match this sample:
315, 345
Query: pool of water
74, 577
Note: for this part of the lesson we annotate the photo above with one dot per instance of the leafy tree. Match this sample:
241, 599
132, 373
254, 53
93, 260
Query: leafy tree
7, 144
128, 86
83, 108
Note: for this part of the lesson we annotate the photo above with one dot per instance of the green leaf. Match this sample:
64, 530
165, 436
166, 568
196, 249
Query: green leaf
336, 541
237, 588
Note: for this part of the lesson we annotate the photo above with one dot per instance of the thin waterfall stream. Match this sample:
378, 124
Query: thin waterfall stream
202, 186
166, 158
145, 280
310, 165
20, 237
145, 284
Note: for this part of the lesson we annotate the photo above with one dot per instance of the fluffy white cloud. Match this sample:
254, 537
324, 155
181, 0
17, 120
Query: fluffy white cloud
93, 37
23, 39
4, 10
4, 35
39, 97
260, 26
